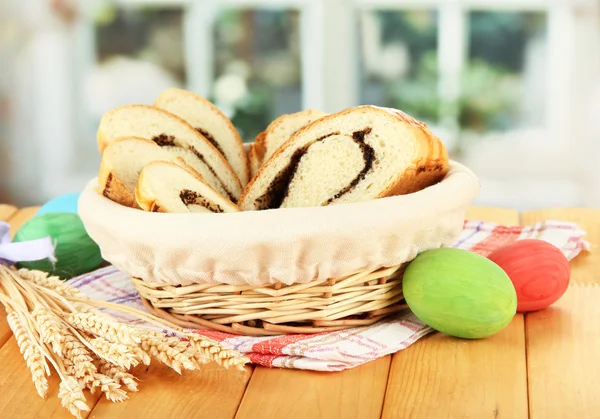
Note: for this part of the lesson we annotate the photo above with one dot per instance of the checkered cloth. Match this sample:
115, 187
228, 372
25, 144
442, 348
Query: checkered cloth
334, 351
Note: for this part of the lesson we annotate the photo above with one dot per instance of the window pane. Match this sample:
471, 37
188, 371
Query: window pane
398, 61
503, 86
137, 52
257, 67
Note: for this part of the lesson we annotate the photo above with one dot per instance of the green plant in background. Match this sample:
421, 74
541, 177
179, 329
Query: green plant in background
487, 100
418, 96
416, 91
261, 48
491, 81
491, 84
489, 97
252, 112
104, 13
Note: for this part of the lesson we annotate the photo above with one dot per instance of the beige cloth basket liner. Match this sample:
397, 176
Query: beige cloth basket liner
290, 246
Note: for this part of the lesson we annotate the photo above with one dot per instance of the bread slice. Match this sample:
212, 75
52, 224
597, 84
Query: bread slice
207, 119
358, 154
278, 132
175, 136
167, 187
121, 165
256, 153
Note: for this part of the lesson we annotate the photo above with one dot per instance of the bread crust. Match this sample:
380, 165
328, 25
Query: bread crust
147, 201
145, 198
103, 140
259, 148
110, 184
282, 119
238, 139
429, 168
256, 153
432, 163
112, 188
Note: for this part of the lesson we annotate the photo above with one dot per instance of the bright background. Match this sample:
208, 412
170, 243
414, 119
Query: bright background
512, 87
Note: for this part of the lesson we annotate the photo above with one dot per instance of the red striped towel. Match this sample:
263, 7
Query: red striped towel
334, 351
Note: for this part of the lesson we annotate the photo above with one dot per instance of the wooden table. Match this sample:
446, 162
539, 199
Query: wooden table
543, 365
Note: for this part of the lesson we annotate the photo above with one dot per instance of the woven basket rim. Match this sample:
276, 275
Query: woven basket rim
456, 169
359, 299
294, 245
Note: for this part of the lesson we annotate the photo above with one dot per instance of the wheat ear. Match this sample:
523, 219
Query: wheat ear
32, 354
56, 324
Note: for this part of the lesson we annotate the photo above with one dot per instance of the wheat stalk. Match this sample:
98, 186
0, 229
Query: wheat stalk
111, 388
167, 349
50, 282
95, 324
79, 363
50, 327
207, 350
33, 356
57, 324
116, 353
117, 373
170, 351
71, 396
77, 359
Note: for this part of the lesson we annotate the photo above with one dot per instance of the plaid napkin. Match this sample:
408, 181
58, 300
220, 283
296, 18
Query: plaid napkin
335, 351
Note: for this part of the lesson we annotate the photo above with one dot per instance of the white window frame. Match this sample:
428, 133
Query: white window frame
328, 44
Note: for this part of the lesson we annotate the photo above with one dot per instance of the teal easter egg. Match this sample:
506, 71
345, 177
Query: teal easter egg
75, 252
459, 293
64, 203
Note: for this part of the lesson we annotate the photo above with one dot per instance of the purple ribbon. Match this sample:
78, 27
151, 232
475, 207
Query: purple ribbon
11, 253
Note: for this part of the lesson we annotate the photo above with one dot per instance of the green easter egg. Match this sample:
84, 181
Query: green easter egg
459, 293
75, 251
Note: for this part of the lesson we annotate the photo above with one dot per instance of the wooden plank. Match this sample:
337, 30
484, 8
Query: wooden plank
163, 391
443, 377
496, 215
563, 343
211, 392
5, 332
357, 392
298, 394
218, 390
6, 211
18, 397
589, 220
14, 217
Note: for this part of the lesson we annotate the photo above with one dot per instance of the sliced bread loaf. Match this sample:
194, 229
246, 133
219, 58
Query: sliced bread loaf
277, 133
121, 165
176, 137
167, 187
208, 120
358, 154
256, 152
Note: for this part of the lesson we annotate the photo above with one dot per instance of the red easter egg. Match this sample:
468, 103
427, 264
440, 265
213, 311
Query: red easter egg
539, 271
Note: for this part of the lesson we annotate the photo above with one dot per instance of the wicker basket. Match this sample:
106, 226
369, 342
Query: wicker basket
301, 270
355, 300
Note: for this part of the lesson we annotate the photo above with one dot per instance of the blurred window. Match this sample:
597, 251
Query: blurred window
257, 71
134, 53
475, 71
503, 82
398, 61
151, 34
